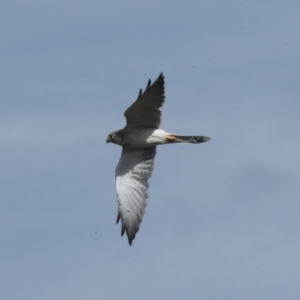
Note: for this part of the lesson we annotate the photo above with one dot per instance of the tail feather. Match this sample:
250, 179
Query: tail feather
194, 139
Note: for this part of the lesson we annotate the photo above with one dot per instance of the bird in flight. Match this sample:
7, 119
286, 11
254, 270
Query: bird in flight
138, 140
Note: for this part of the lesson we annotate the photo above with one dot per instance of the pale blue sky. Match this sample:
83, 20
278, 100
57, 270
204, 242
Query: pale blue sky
222, 220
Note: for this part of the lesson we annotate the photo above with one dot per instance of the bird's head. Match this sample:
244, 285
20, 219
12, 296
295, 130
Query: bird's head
115, 137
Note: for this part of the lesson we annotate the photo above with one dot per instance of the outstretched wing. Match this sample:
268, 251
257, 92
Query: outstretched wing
132, 174
144, 112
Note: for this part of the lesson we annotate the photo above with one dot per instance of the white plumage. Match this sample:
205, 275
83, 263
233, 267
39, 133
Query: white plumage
132, 174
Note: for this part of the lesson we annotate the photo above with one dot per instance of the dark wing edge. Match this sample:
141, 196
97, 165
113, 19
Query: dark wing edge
145, 110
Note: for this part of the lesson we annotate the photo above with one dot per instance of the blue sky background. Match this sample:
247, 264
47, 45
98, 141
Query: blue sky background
222, 220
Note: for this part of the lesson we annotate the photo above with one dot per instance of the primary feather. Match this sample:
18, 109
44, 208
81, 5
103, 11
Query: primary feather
144, 112
132, 173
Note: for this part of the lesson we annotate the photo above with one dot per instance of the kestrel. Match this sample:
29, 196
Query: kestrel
138, 140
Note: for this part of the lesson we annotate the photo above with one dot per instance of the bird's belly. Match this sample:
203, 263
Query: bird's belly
141, 138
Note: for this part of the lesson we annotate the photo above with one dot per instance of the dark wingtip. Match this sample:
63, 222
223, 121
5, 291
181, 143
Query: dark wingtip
118, 218
140, 93
130, 237
160, 81
122, 231
161, 76
149, 83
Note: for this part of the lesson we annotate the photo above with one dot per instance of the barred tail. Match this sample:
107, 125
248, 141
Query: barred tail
194, 139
